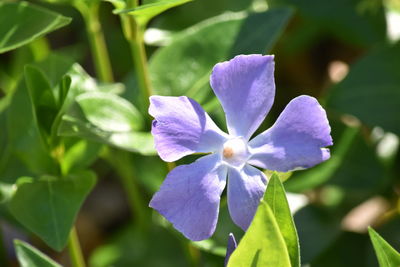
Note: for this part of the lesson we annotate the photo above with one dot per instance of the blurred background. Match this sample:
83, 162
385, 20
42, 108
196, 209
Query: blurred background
344, 52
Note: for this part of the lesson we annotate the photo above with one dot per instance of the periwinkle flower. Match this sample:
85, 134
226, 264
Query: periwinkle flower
190, 195
232, 245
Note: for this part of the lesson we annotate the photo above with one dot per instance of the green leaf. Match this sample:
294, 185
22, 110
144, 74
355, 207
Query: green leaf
48, 206
27, 148
183, 67
130, 247
372, 98
357, 22
107, 118
29, 256
6, 192
79, 155
78, 82
275, 197
67, 80
75, 124
263, 243
194, 12
22, 22
55, 66
118, 4
109, 112
41, 95
387, 256
144, 13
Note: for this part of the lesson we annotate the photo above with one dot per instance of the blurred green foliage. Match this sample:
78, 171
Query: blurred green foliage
59, 119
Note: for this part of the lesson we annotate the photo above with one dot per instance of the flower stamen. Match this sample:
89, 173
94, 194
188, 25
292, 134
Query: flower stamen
228, 152
235, 152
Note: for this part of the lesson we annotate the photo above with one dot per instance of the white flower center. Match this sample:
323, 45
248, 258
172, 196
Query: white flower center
235, 152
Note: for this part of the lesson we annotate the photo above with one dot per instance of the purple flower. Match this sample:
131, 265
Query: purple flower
232, 245
190, 195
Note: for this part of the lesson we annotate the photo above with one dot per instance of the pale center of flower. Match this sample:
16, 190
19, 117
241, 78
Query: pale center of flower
235, 151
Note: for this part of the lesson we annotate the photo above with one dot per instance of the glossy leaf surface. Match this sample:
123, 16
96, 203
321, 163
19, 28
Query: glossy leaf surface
48, 206
29, 256
387, 256
22, 22
275, 197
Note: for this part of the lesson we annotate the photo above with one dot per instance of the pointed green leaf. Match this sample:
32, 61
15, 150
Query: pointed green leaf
107, 118
42, 99
109, 112
77, 125
29, 256
79, 155
65, 85
275, 197
263, 243
29, 148
387, 256
22, 22
55, 66
48, 206
146, 12
74, 81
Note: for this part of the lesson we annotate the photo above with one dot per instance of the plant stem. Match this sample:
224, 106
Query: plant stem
90, 13
118, 159
140, 61
134, 34
121, 162
74, 249
132, 3
40, 48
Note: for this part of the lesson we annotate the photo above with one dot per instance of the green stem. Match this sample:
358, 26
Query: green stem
134, 34
121, 162
132, 3
90, 13
74, 249
194, 255
140, 61
40, 48
118, 159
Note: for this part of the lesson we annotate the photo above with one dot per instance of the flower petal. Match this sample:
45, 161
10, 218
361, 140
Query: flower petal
296, 140
232, 245
245, 190
246, 89
190, 195
181, 127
